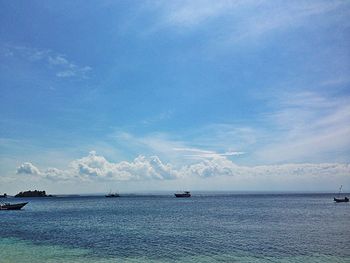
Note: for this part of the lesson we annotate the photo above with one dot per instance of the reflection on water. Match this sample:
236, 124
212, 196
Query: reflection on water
216, 228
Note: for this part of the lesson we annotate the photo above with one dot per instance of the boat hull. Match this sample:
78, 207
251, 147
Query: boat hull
182, 195
12, 206
341, 200
111, 196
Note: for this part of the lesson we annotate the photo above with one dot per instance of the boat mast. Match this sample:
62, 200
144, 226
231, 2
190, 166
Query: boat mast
340, 190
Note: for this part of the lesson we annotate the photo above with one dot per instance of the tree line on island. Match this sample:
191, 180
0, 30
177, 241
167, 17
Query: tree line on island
34, 193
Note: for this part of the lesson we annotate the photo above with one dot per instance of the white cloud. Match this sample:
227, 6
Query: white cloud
28, 168
153, 144
57, 174
204, 154
192, 13
60, 64
58, 60
309, 126
96, 168
65, 74
297, 127
224, 167
243, 19
185, 150
272, 16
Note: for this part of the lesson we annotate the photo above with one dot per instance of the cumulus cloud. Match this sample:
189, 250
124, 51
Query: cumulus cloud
95, 167
225, 167
57, 174
28, 168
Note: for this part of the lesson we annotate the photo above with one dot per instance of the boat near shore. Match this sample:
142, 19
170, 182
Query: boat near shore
183, 194
8, 206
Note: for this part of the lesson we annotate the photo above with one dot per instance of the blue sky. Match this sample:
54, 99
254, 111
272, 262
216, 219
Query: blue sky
163, 95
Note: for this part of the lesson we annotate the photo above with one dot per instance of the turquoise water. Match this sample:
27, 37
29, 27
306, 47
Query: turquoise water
205, 228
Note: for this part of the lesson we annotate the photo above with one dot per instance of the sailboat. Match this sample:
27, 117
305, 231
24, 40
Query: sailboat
112, 194
341, 200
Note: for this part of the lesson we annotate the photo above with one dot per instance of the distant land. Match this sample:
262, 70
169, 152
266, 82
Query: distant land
34, 193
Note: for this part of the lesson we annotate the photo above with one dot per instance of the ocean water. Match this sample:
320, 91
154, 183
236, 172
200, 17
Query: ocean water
204, 228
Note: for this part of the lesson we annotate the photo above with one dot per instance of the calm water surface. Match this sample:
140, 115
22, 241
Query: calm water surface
204, 228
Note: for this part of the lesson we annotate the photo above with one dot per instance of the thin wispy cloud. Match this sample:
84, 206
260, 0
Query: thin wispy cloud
171, 148
309, 125
190, 14
244, 19
166, 115
58, 63
301, 126
199, 154
341, 80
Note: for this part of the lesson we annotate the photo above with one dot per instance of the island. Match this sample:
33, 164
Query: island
34, 193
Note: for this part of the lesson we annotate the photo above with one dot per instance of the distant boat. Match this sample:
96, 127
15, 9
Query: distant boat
112, 195
3, 196
340, 200
8, 206
183, 194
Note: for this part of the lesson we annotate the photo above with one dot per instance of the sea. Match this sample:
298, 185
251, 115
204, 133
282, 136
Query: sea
208, 227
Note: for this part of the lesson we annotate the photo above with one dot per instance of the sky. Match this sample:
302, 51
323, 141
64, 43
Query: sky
138, 96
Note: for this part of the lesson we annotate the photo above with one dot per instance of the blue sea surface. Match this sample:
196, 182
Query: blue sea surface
161, 228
